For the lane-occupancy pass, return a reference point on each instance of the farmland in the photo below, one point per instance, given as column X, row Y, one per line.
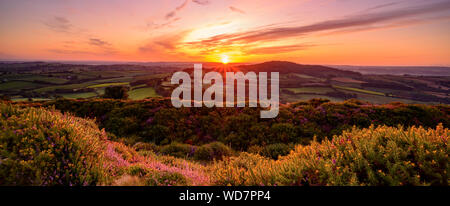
column 40, row 80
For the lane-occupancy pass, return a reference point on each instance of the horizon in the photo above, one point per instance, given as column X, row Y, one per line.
column 112, row 62
column 322, row 32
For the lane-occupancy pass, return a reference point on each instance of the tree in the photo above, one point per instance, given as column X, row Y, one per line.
column 116, row 92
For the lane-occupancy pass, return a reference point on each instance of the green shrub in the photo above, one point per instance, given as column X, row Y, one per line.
column 178, row 150
column 275, row 150
column 255, row 149
column 138, row 170
column 149, row 146
column 116, row 92
column 204, row 153
column 164, row 178
column 214, row 150
column 40, row 147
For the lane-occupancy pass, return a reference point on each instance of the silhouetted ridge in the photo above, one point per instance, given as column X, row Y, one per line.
column 290, row 67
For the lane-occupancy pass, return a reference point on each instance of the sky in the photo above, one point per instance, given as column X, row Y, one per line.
column 345, row 32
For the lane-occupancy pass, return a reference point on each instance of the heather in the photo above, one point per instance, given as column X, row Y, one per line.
column 42, row 146
column 156, row 121
column 389, row 156
column 46, row 147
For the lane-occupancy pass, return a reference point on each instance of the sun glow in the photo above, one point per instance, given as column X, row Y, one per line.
column 225, row 59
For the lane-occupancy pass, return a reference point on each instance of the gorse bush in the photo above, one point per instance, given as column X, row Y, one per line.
column 39, row 147
column 373, row 156
column 156, row 120
column 275, row 150
column 178, row 150
column 45, row 147
column 211, row 151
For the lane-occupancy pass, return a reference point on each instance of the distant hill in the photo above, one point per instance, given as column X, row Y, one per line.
column 285, row 67
column 398, row 70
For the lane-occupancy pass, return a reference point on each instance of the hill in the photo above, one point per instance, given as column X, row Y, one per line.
column 285, row 67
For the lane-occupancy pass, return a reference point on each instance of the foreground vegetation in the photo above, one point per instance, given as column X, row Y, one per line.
column 156, row 121
column 41, row 146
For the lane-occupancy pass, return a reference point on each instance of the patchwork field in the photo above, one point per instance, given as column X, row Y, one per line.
column 297, row 82
column 142, row 93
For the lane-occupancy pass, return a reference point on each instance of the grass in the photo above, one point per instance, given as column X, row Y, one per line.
column 138, row 86
column 347, row 80
column 120, row 79
column 358, row 90
column 26, row 99
column 17, row 85
column 142, row 93
column 79, row 95
column 53, row 80
column 153, row 76
column 69, row 86
column 318, row 90
column 108, row 84
column 306, row 97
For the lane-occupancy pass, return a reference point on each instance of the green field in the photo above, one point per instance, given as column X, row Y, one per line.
column 26, row 99
column 120, row 79
column 108, row 84
column 17, row 85
column 142, row 93
column 52, row 80
column 79, row 95
column 358, row 90
column 306, row 97
column 317, row 90
column 69, row 86
column 153, row 76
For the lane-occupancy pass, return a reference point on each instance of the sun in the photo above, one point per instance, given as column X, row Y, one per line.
column 225, row 59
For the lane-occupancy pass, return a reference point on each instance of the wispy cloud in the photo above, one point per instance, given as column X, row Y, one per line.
column 232, row 8
column 98, row 42
column 177, row 9
column 381, row 19
column 104, row 46
column 278, row 49
column 201, row 2
column 59, row 24
column 381, row 6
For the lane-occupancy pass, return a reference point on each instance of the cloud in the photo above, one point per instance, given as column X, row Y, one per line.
column 166, row 42
column 104, row 46
column 382, row 6
column 201, row 2
column 173, row 13
column 98, row 42
column 68, row 51
column 59, row 24
column 232, row 8
column 177, row 9
column 379, row 19
column 152, row 25
column 278, row 49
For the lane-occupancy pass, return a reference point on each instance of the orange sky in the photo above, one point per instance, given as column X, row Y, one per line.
column 352, row 32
